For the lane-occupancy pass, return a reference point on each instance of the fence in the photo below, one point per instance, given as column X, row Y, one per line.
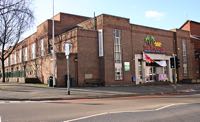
column 14, row 74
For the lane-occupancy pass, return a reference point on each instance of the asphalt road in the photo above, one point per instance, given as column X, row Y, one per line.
column 145, row 108
column 173, row 113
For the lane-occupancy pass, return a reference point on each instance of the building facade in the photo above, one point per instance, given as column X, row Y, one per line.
column 194, row 27
column 107, row 50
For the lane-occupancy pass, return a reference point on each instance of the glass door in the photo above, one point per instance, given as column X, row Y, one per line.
column 152, row 73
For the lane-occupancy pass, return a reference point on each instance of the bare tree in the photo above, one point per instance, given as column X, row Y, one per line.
column 15, row 18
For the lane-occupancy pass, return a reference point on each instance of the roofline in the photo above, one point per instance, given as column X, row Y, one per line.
column 103, row 14
column 72, row 15
column 191, row 21
column 184, row 24
column 50, row 19
column 161, row 29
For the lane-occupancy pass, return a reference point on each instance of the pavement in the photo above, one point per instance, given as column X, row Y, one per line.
column 41, row 92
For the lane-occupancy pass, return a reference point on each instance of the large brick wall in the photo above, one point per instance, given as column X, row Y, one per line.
column 193, row 28
column 132, row 41
column 181, row 36
column 88, row 63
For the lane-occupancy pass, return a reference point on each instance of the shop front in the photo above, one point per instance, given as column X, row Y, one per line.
column 152, row 64
column 158, row 70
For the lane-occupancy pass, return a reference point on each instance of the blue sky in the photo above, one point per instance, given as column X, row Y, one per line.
column 165, row 14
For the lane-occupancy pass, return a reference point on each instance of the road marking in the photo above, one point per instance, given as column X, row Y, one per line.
column 85, row 117
column 18, row 102
column 0, row 118
column 164, row 107
column 94, row 115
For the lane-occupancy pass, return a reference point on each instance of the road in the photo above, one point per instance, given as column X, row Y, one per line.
column 128, row 109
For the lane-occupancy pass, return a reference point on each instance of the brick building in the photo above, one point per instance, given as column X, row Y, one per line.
column 106, row 49
column 194, row 29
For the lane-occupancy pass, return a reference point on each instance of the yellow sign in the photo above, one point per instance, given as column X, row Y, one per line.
column 158, row 44
column 152, row 45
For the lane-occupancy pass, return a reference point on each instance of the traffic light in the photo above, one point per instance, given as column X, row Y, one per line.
column 172, row 63
column 177, row 62
column 50, row 48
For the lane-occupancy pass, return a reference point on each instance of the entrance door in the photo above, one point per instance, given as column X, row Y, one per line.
column 152, row 73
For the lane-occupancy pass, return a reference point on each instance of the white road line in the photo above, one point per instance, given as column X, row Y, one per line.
column 18, row 102
column 0, row 118
column 165, row 107
column 94, row 115
column 85, row 117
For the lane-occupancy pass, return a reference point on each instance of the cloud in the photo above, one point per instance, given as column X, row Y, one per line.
column 155, row 15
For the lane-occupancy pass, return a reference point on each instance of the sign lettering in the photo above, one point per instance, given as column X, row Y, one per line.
column 152, row 45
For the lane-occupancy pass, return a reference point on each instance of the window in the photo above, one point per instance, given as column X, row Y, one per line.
column 20, row 55
column 184, row 52
column 118, row 73
column 25, row 54
column 6, row 62
column 118, row 58
column 100, row 35
column 11, row 59
column 42, row 47
column 33, row 51
column 185, row 69
column 15, row 57
column 140, row 69
column 184, row 48
column 117, row 54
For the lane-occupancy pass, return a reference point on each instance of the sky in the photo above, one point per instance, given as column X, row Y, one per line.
column 164, row 14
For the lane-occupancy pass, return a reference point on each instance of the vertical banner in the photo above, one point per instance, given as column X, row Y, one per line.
column 100, row 39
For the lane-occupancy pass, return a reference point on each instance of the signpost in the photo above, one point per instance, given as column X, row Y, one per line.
column 67, row 52
column 127, row 66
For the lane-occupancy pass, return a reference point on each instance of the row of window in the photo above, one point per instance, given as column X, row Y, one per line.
column 22, row 54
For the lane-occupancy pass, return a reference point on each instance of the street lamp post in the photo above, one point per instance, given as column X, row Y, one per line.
column 175, row 72
column 53, row 52
column 68, row 81
column 68, row 46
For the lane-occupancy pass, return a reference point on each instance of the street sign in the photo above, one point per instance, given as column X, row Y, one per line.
column 68, row 47
column 127, row 66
